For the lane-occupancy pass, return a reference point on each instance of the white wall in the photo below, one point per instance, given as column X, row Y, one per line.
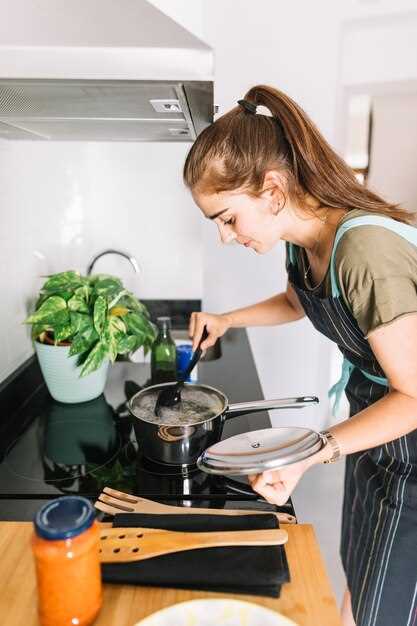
column 188, row 14
column 378, row 56
column 62, row 202
column 394, row 148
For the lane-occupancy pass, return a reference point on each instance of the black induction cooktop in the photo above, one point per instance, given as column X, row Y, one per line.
column 49, row 448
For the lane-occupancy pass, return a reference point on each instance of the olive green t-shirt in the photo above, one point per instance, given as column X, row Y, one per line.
column 377, row 274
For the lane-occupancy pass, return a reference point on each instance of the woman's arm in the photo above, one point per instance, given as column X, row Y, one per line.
column 394, row 415
column 280, row 309
column 391, row 417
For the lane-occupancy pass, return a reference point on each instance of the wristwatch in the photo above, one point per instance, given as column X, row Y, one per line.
column 328, row 439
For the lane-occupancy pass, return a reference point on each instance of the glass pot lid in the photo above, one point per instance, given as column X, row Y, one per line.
column 260, row 450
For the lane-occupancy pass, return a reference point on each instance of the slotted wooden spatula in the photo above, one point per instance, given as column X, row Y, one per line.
column 120, row 545
column 112, row 502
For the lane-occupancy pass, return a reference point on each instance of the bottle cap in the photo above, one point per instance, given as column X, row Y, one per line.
column 64, row 518
column 164, row 321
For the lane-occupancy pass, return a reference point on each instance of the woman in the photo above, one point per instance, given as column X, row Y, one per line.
column 352, row 269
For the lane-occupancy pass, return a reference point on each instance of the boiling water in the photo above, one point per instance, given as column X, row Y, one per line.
column 195, row 406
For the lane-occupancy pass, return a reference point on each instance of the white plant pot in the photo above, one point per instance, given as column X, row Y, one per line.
column 62, row 376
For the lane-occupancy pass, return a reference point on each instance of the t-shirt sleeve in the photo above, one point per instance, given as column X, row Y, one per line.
column 377, row 275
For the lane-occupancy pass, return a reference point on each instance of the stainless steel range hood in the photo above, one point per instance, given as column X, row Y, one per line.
column 101, row 70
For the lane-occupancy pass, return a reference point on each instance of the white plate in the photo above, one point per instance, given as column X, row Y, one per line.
column 216, row 613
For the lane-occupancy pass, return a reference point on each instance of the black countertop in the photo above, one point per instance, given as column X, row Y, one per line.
column 49, row 449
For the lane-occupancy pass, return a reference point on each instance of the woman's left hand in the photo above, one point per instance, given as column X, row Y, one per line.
column 276, row 486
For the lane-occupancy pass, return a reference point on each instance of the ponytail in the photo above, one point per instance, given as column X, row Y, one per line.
column 237, row 150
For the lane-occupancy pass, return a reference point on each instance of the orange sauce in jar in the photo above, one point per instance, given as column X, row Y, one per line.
column 65, row 545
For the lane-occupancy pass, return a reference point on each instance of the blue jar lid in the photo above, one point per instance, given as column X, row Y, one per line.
column 64, row 517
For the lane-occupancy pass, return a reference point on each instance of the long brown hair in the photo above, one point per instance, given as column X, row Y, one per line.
column 237, row 150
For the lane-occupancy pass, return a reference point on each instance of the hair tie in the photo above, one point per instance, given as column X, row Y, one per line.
column 249, row 107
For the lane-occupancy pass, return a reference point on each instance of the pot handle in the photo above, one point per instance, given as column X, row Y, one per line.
column 243, row 408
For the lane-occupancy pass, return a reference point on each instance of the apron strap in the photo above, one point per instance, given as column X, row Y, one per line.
column 291, row 253
column 338, row 388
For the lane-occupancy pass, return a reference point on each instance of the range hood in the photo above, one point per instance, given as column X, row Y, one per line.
column 101, row 70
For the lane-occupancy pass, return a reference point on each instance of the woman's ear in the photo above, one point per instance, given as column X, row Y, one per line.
column 274, row 188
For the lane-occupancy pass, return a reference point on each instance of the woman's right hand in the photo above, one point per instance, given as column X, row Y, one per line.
column 216, row 325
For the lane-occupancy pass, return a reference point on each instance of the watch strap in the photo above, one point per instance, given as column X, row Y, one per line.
column 330, row 440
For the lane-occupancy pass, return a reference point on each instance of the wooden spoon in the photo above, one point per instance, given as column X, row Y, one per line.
column 119, row 545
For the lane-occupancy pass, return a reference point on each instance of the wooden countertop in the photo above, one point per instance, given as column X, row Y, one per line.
column 308, row 599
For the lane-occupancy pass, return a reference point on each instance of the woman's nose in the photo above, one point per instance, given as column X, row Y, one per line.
column 227, row 234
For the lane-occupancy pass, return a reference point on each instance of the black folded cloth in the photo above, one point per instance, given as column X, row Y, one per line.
column 256, row 570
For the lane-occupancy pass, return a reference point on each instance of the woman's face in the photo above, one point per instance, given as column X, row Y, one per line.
column 254, row 222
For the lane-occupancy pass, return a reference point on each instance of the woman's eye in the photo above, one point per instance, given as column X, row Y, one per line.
column 230, row 221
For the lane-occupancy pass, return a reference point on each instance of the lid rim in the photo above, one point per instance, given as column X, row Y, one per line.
column 78, row 521
column 237, row 465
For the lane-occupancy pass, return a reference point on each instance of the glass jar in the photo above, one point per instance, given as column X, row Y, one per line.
column 163, row 354
column 65, row 545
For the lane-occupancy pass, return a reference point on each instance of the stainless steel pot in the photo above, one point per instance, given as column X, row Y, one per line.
column 182, row 445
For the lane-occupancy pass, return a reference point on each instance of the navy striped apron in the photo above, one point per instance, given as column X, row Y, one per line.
column 379, row 522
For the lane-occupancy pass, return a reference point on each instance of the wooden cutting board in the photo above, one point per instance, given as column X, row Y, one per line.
column 308, row 599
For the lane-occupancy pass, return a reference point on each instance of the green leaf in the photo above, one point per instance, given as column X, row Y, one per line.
column 130, row 301
column 62, row 332
column 126, row 344
column 38, row 329
column 95, row 358
column 117, row 298
column 80, row 322
column 77, row 303
column 83, row 341
column 117, row 325
column 48, row 311
column 63, row 281
column 44, row 295
column 109, row 339
column 136, row 324
column 84, row 292
column 108, row 286
column 148, row 343
column 59, row 319
column 100, row 311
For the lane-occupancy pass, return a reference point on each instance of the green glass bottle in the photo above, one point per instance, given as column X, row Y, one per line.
column 163, row 354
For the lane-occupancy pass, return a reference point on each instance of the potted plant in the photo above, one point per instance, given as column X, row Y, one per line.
column 79, row 326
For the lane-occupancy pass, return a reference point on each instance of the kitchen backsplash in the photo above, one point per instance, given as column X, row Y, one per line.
column 62, row 203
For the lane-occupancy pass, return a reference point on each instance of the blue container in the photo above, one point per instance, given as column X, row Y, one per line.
column 184, row 356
